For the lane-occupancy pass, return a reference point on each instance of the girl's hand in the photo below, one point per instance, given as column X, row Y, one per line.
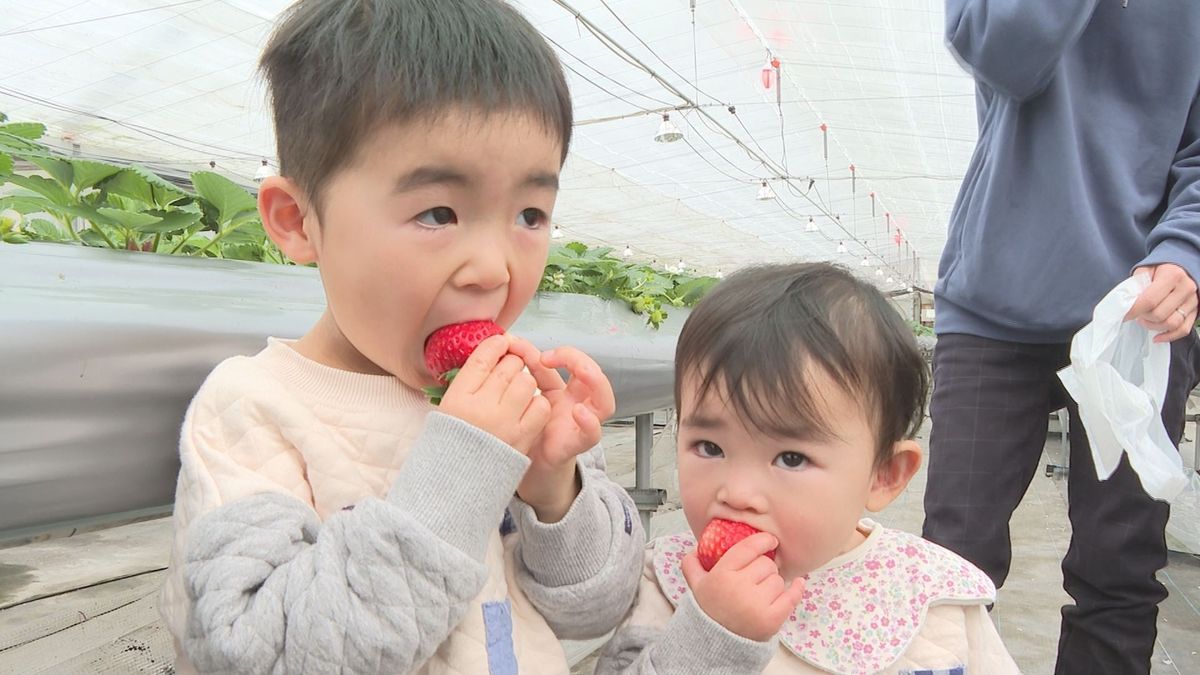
column 744, row 591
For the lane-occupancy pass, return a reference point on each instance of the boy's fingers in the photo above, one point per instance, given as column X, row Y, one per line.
column 595, row 391
column 537, row 413
column 692, row 570
column 548, row 379
column 558, row 357
column 524, row 349
column 519, row 392
column 482, row 362
column 588, row 424
column 498, row 381
column 584, row 416
column 748, row 550
column 575, row 361
column 588, row 383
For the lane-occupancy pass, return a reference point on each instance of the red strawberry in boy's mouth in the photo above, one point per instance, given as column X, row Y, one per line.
column 447, row 349
column 717, row 538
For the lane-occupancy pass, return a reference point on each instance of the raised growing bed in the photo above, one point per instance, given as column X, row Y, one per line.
column 102, row 351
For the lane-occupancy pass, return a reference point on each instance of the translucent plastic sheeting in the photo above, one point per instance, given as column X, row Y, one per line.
column 102, row 350
column 172, row 84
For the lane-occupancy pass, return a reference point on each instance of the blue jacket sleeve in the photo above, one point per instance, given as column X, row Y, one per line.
column 1176, row 238
column 1012, row 46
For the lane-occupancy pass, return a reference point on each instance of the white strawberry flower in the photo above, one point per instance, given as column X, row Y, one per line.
column 10, row 221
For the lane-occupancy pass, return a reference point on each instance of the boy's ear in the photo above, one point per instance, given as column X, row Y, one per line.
column 285, row 211
column 893, row 476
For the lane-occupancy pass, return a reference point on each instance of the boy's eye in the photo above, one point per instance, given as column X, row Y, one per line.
column 532, row 218
column 437, row 217
column 708, row 449
column 790, row 460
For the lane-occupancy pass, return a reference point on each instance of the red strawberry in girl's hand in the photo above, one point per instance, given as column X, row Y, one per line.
column 717, row 538
column 447, row 349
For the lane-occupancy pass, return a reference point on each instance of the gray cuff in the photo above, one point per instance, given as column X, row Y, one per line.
column 693, row 643
column 575, row 548
column 457, row 481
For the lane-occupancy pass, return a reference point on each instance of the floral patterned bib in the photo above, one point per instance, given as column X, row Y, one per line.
column 861, row 610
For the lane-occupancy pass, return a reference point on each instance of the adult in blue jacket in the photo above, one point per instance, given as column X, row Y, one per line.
column 1087, row 170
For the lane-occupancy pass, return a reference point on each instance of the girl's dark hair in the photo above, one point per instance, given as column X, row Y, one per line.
column 759, row 333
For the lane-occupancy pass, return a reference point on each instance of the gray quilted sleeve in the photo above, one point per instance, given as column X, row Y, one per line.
column 375, row 588
column 582, row 572
column 690, row 643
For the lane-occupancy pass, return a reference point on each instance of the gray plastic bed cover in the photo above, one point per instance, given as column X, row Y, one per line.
column 101, row 351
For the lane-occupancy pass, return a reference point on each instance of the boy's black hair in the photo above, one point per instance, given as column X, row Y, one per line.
column 758, row 334
column 338, row 70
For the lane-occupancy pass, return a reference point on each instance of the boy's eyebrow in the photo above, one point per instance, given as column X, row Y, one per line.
column 429, row 175
column 541, row 179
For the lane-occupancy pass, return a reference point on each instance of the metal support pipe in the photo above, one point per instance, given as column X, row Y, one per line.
column 647, row 498
column 644, row 430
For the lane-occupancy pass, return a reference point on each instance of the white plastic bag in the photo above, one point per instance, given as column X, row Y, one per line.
column 1118, row 377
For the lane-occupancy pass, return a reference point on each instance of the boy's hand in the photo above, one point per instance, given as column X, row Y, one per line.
column 493, row 392
column 576, row 410
column 744, row 591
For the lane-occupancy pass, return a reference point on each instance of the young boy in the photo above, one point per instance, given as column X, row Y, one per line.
column 328, row 519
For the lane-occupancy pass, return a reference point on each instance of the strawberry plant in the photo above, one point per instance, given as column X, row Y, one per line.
column 92, row 203
column 128, row 207
column 576, row 268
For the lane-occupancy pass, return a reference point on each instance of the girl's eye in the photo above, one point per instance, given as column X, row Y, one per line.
column 708, row 449
column 439, row 216
column 532, row 218
column 790, row 460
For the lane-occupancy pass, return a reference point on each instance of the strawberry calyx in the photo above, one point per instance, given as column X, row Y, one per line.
column 437, row 391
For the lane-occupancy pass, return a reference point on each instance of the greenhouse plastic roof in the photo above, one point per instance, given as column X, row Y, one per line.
column 172, row 83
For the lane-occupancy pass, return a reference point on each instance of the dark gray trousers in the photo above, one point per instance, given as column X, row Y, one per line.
column 990, row 408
